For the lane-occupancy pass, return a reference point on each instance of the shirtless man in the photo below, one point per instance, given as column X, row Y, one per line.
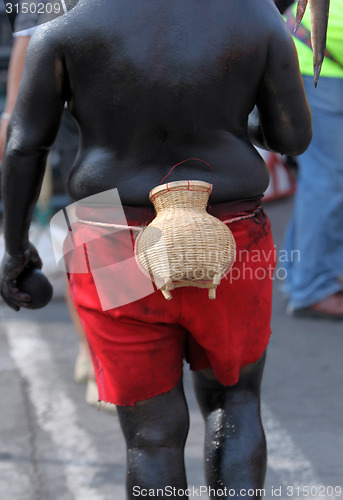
column 151, row 84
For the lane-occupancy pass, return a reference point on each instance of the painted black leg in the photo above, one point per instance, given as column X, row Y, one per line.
column 235, row 445
column 155, row 431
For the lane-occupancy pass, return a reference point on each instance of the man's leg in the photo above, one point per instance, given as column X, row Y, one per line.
column 235, row 446
column 155, row 431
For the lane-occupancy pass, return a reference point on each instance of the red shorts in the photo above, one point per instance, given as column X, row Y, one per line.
column 138, row 348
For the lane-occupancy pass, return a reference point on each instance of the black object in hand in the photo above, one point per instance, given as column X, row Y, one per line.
column 33, row 282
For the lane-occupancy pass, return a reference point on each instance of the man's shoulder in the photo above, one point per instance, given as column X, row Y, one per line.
column 47, row 40
column 51, row 21
column 278, row 31
column 55, row 31
column 264, row 18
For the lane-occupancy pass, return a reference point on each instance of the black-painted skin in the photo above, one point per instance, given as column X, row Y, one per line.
column 151, row 84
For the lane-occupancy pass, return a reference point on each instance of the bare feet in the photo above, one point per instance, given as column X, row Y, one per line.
column 329, row 308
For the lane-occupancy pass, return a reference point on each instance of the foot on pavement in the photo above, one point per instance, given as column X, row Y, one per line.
column 329, row 308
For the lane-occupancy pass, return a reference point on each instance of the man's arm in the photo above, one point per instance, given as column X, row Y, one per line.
column 32, row 131
column 282, row 120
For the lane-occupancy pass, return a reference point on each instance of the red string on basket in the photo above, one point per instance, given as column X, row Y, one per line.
column 192, row 159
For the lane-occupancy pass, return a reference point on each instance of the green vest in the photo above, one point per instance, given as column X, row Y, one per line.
column 334, row 43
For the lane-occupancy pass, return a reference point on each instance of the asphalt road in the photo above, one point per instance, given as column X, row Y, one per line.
column 53, row 446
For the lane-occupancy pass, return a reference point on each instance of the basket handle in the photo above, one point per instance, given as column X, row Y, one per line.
column 192, row 159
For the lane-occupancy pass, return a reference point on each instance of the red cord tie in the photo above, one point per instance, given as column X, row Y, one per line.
column 192, row 159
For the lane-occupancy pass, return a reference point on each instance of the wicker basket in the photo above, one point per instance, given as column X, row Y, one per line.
column 184, row 245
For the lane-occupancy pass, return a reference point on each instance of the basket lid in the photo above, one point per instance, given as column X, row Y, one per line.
column 180, row 186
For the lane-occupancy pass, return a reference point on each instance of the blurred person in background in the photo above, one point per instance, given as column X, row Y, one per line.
column 314, row 276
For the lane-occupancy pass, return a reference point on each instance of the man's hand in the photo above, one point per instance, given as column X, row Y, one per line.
column 11, row 267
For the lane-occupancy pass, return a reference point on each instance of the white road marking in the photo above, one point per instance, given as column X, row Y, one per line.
column 56, row 412
column 286, row 459
column 14, row 482
column 6, row 363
